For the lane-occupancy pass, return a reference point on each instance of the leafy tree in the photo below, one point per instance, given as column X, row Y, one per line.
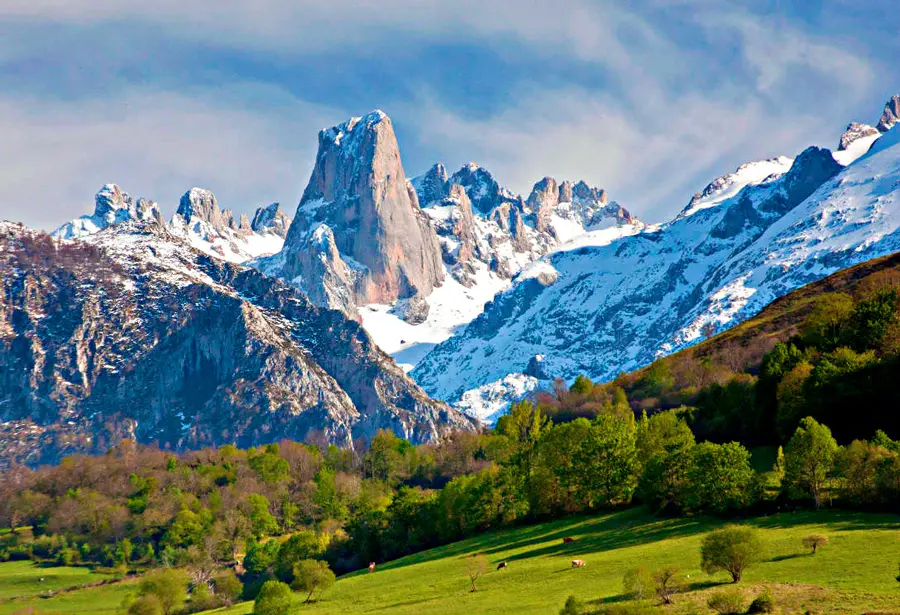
column 667, row 584
column 815, row 541
column 146, row 605
column 262, row 523
column 732, row 548
column 327, row 497
column 606, row 461
column 582, row 385
column 872, row 318
column 274, row 598
column 269, row 466
column 719, row 478
column 228, row 587
column 809, row 457
column 167, row 585
column 384, row 459
column 311, row 576
column 261, row 558
column 188, row 528
column 661, row 433
column 304, row 545
column 827, row 324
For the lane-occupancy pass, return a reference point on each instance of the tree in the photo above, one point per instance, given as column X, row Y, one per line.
column 304, row 545
column 167, row 585
column 732, row 548
column 661, row 433
column 262, row 523
column 814, row 541
column 274, row 598
column 638, row 583
column 582, row 385
column 228, row 587
column 311, row 576
column 667, row 584
column 809, row 457
column 825, row 326
column 606, row 461
column 476, row 566
column 718, row 478
column 573, row 606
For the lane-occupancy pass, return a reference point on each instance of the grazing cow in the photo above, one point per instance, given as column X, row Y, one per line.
column 568, row 540
column 371, row 566
column 577, row 563
column 501, row 566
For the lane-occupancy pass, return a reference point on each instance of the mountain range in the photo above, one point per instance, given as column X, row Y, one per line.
column 213, row 328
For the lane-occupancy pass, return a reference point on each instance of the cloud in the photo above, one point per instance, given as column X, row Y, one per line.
column 154, row 144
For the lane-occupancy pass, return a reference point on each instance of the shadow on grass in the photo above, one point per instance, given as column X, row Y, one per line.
column 781, row 558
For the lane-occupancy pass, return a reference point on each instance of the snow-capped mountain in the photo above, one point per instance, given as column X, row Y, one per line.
column 198, row 220
column 111, row 206
column 748, row 238
column 132, row 332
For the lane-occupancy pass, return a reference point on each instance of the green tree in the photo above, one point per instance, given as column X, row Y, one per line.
column 274, row 598
column 582, row 385
column 732, row 548
column 268, row 465
column 312, row 576
column 188, row 528
column 304, row 545
column 606, row 461
column 661, row 433
column 718, row 478
column 384, row 459
column 167, row 585
column 262, row 523
column 638, row 583
column 808, row 459
column 573, row 606
column 145, row 605
column 826, row 325
column 327, row 497
column 228, row 587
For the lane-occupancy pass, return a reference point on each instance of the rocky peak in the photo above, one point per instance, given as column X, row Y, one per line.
column 543, row 199
column 433, row 185
column 891, row 115
column 271, row 219
column 811, row 168
column 588, row 193
column 112, row 205
column 201, row 204
column 358, row 189
column 483, row 190
column 854, row 132
column 111, row 200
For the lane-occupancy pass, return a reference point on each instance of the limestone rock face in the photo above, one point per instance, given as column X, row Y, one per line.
column 854, row 132
column 112, row 206
column 359, row 191
column 133, row 333
column 271, row 219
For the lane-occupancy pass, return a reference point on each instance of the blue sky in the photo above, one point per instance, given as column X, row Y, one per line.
column 650, row 99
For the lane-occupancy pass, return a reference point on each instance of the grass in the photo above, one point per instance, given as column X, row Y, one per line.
column 854, row 574
column 21, row 589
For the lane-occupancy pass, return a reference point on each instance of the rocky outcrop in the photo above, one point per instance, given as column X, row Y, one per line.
column 111, row 206
column 358, row 194
column 271, row 220
column 891, row 115
column 854, row 132
column 135, row 334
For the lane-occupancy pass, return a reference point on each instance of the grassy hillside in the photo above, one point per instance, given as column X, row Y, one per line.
column 854, row 574
column 25, row 585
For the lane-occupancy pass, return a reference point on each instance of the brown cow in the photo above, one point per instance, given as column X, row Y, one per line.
column 371, row 566
column 577, row 563
column 501, row 566
column 568, row 540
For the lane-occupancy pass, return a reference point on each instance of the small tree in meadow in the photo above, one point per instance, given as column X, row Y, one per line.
column 573, row 606
column 667, row 583
column 815, row 541
column 809, row 458
column 311, row 576
column 476, row 567
column 638, row 583
column 274, row 598
column 732, row 548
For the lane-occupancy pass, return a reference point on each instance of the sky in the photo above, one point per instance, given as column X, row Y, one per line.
column 650, row 99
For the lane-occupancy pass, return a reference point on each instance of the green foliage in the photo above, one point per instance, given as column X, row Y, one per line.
column 718, row 478
column 270, row 467
column 826, row 326
column 727, row 603
column 639, row 584
column 261, row 558
column 311, row 577
column 146, row 605
column 809, row 457
column 815, row 541
column 606, row 461
column 327, row 497
column 167, row 585
column 660, row 434
column 228, row 587
column 872, row 317
column 274, row 598
column 582, row 385
column 732, row 549
column 262, row 523
column 763, row 603
column 188, row 528
column 304, row 545
column 573, row 606
column 656, row 379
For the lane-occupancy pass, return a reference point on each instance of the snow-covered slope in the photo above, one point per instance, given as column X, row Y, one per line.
column 111, row 206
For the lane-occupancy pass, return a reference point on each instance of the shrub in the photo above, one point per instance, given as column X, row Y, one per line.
column 763, row 603
column 573, row 606
column 146, row 605
column 814, row 541
column 168, row 586
column 732, row 548
column 667, row 584
column 275, row 598
column 228, row 587
column 727, row 603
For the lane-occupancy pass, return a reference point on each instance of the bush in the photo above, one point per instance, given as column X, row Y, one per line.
column 763, row 603
column 228, row 587
column 727, row 603
column 146, row 605
column 169, row 586
column 814, row 541
column 573, row 606
column 732, row 548
column 275, row 598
